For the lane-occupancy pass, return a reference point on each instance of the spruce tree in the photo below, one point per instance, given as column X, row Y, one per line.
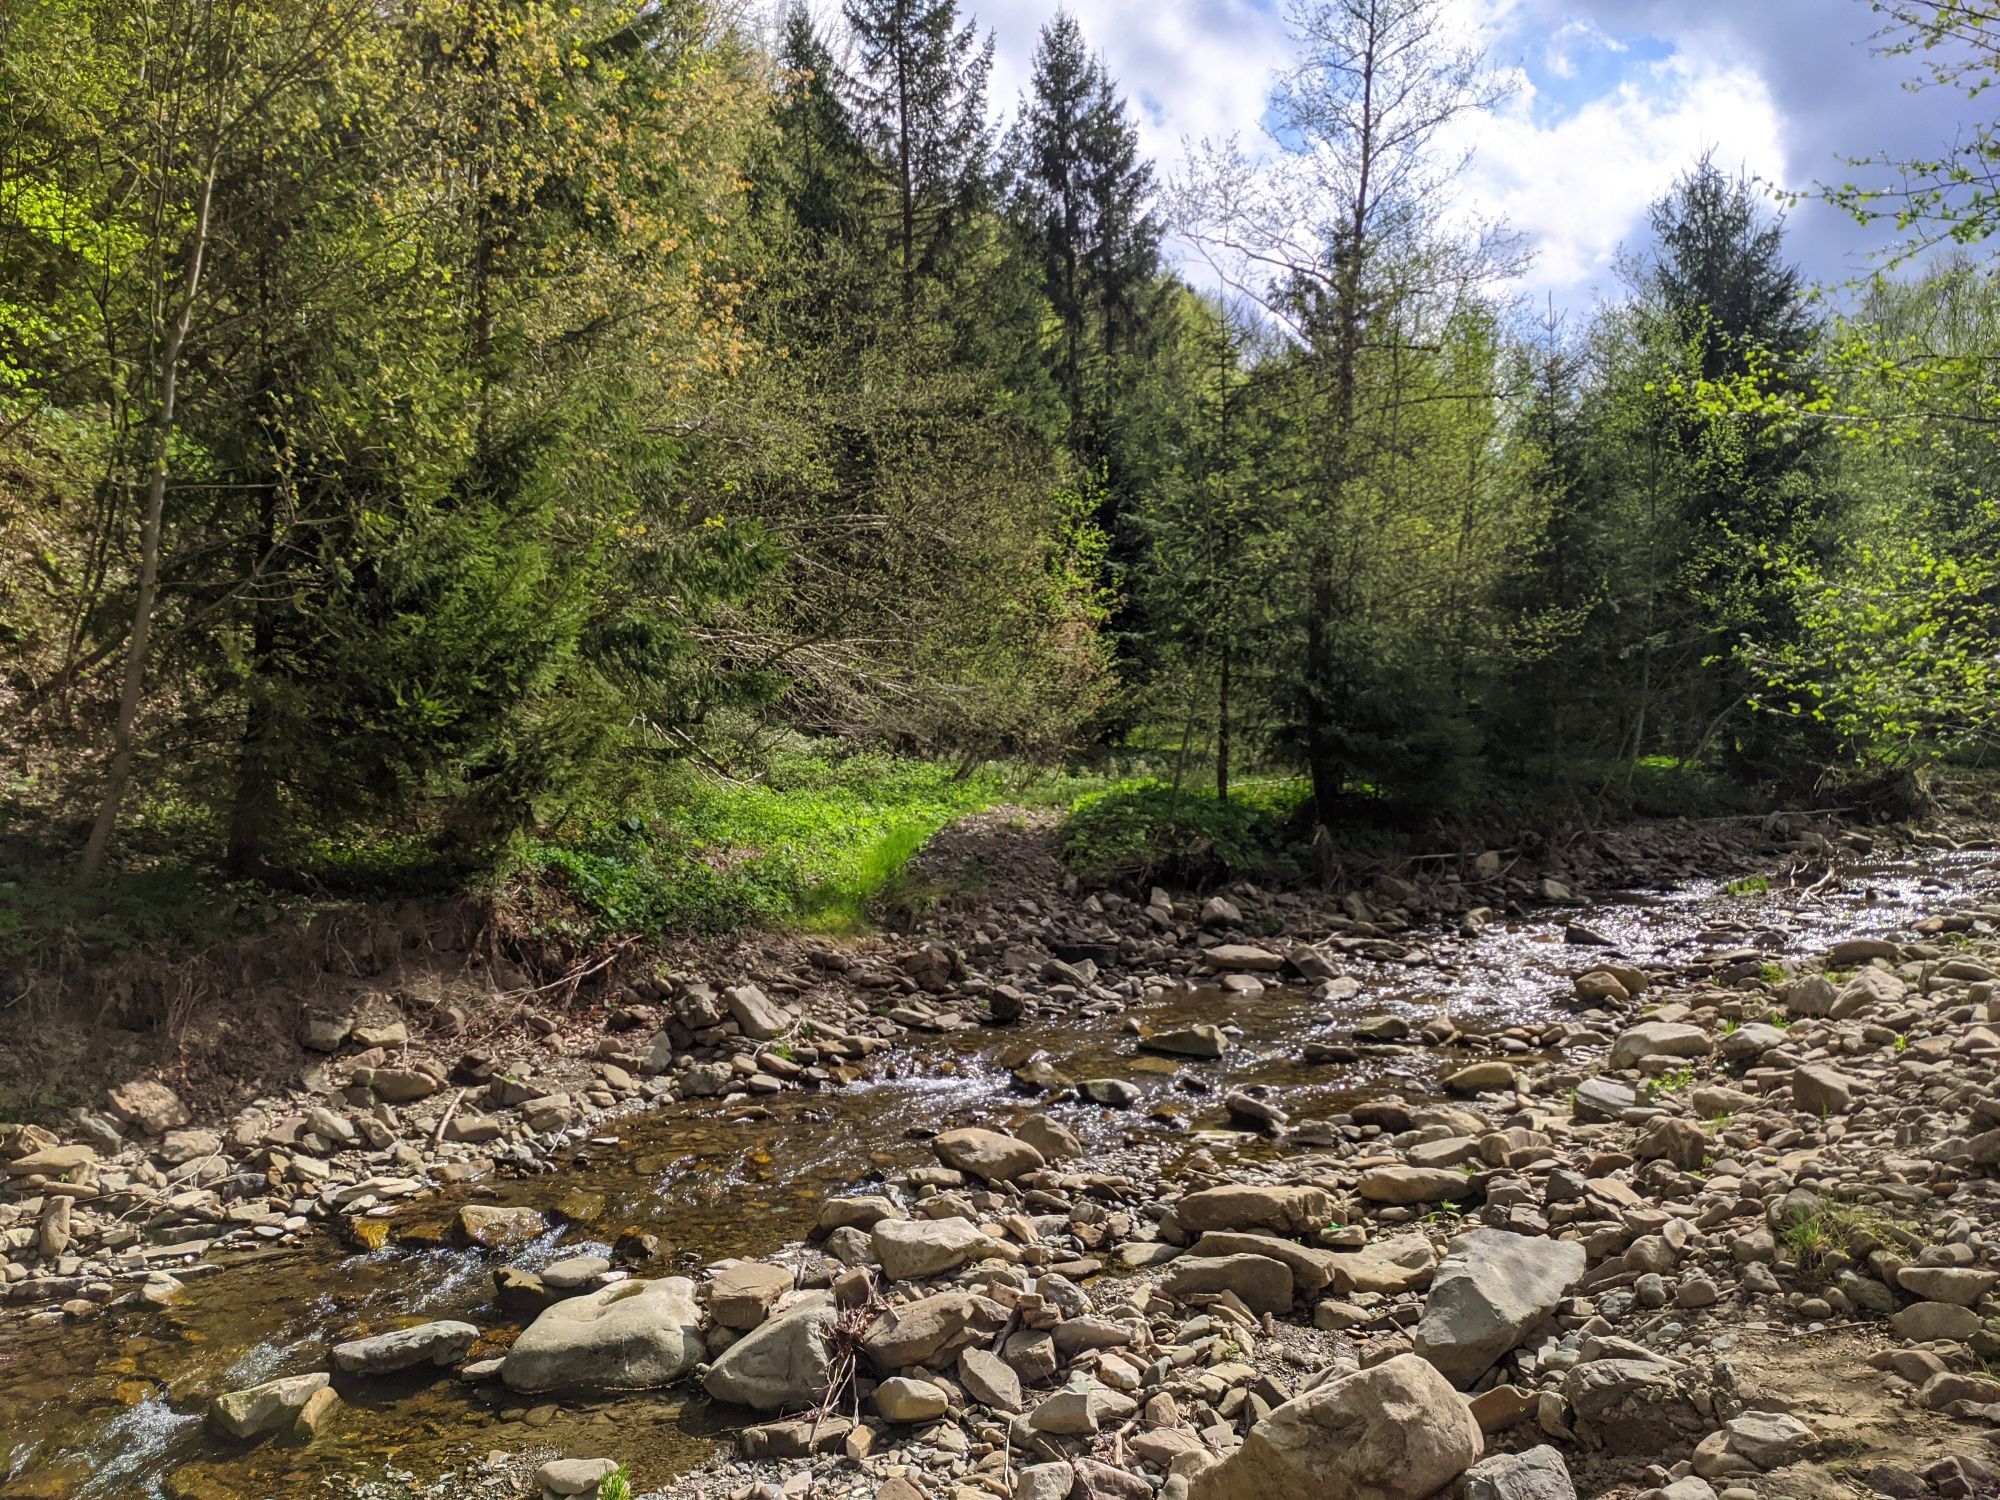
column 920, row 94
column 820, row 169
column 1083, row 193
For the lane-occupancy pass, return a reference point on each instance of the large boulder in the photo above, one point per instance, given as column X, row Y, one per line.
column 1278, row 1209
column 782, row 1365
column 630, row 1336
column 1394, row 1432
column 441, row 1343
column 1490, row 1291
column 988, row 1154
column 911, row 1248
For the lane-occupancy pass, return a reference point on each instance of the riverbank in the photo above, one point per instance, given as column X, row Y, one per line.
column 1391, row 990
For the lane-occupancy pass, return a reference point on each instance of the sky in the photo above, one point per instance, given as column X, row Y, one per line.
column 1613, row 99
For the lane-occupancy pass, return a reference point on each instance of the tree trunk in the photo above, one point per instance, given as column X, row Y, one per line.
column 1222, row 731
column 1320, row 763
column 253, row 813
column 166, row 377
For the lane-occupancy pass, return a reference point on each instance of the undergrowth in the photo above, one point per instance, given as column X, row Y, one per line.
column 807, row 845
column 1150, row 830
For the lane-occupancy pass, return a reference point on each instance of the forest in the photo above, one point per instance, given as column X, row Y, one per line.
column 483, row 438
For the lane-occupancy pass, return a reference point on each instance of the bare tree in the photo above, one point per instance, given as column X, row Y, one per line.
column 1349, row 238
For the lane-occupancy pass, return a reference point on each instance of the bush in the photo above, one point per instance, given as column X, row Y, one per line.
column 1148, row 830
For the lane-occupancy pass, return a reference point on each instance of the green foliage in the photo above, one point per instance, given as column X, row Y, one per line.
column 1677, row 1081
column 1750, row 885
column 1148, row 829
column 810, row 844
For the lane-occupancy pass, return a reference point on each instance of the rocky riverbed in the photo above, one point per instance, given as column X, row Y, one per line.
column 1510, row 1176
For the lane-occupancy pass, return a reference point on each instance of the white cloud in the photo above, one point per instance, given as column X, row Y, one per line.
column 1780, row 87
column 1189, row 70
column 1578, row 186
column 1573, row 36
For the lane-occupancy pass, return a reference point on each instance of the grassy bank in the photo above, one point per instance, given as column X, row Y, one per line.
column 807, row 845
column 806, row 838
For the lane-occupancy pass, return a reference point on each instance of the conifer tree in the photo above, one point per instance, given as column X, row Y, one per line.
column 920, row 93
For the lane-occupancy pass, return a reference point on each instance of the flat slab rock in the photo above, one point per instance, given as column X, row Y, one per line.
column 441, row 1343
column 635, row 1335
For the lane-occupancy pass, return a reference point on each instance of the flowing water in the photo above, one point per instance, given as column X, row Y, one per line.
column 111, row 1406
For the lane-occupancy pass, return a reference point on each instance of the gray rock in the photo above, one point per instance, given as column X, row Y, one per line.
column 989, row 1380
column 758, row 1016
column 1397, row 1431
column 912, row 1248
column 1921, row 1322
column 1657, row 1039
column 1490, row 1291
column 1081, row 1410
column 782, row 1365
column 1263, row 1284
column 1112, row 1093
column 269, row 1407
column 1249, row 1206
column 931, row 1328
column 1203, row 1041
column 1055, row 1140
column 441, row 1343
column 1629, row 1400
column 1045, row 1482
column 1963, row 1285
column 988, row 1154
column 153, row 1107
column 1821, row 1091
column 635, row 1335
column 903, row 1399
column 1403, row 1186
column 1754, row 1443
column 575, row 1476
column 1243, row 958
column 1538, row 1474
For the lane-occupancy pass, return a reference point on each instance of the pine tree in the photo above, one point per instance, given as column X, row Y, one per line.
column 920, row 94
column 1083, row 192
column 820, row 167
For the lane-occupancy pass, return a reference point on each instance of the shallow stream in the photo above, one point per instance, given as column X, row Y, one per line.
column 111, row 1405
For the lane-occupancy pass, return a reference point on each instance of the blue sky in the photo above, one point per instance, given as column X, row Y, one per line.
column 1613, row 99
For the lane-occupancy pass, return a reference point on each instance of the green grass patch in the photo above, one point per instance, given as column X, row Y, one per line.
column 1147, row 829
column 809, row 844
column 1750, row 885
